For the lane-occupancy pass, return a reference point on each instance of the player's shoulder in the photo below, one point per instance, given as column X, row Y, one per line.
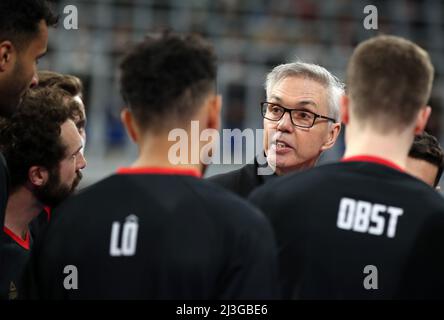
column 217, row 196
column 299, row 181
column 189, row 192
column 231, row 206
column 429, row 197
column 107, row 189
column 102, row 187
column 248, row 170
column 313, row 175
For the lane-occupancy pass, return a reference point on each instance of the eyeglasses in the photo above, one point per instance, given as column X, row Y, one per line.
column 299, row 118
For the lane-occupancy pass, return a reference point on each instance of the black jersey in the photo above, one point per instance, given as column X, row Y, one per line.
column 15, row 253
column 4, row 184
column 154, row 234
column 359, row 229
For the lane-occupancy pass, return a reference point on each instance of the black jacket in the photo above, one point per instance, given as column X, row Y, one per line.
column 244, row 180
column 4, row 184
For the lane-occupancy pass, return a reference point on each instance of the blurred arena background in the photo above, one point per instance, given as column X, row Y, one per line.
column 250, row 37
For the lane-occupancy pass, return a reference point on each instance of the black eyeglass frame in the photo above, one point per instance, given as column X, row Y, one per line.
column 265, row 104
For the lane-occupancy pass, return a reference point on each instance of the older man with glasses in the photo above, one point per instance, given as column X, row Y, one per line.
column 300, row 122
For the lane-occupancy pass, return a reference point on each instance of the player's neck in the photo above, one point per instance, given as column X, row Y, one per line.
column 158, row 155
column 21, row 209
column 393, row 146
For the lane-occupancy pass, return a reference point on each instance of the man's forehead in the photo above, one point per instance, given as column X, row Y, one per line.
column 293, row 90
column 297, row 86
column 70, row 135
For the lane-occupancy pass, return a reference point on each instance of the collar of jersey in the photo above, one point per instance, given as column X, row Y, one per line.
column 48, row 212
column 373, row 159
column 161, row 171
column 23, row 243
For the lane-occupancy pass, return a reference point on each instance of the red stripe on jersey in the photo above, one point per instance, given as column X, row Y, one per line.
column 373, row 159
column 23, row 243
column 48, row 212
column 167, row 171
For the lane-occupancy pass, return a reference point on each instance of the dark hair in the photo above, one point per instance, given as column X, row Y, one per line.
column 32, row 136
column 19, row 19
column 165, row 78
column 426, row 147
column 388, row 80
column 69, row 84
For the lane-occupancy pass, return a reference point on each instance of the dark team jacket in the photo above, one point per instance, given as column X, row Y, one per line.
column 244, row 180
column 16, row 254
column 154, row 234
column 359, row 229
column 4, row 186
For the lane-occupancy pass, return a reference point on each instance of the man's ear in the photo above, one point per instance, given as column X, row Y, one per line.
column 422, row 118
column 38, row 176
column 6, row 53
column 333, row 134
column 214, row 106
column 131, row 127
column 345, row 113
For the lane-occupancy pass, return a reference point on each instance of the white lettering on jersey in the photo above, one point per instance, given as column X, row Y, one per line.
column 128, row 239
column 365, row 217
column 394, row 214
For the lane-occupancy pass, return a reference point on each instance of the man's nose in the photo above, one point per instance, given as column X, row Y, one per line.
column 285, row 123
column 81, row 161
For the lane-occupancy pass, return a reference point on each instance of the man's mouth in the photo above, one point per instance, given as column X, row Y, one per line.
column 281, row 144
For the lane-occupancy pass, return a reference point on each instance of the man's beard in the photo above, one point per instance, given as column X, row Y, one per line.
column 54, row 192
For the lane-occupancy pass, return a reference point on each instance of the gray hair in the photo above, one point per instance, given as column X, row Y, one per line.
column 311, row 71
